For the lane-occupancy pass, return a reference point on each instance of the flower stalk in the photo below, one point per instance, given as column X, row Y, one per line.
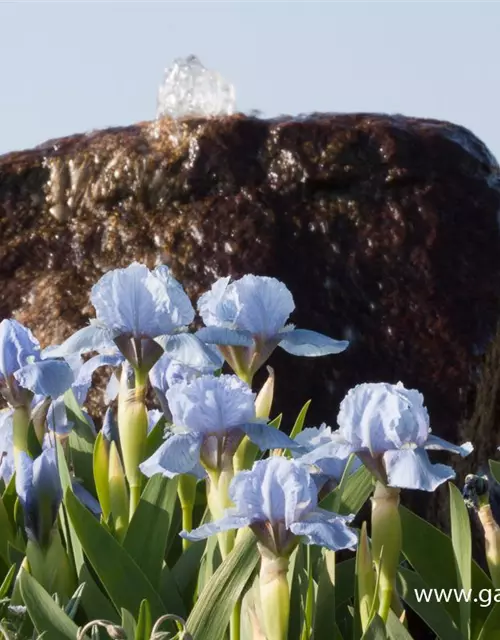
column 492, row 542
column 133, row 429
column 247, row 451
column 274, row 594
column 386, row 542
column 118, row 496
column 218, row 501
column 186, row 490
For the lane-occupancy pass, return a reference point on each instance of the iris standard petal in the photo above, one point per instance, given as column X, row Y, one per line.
column 46, row 377
column 178, row 303
column 211, row 404
column 325, row 530
column 263, row 304
column 94, row 337
column 17, row 346
column 275, row 490
column 302, row 342
column 412, row 469
column 210, row 528
column 434, row 442
column 211, row 305
column 136, row 301
column 379, row 417
column 225, row 337
column 180, row 453
column 266, row 437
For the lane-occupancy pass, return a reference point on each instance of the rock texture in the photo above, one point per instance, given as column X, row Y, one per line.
column 385, row 229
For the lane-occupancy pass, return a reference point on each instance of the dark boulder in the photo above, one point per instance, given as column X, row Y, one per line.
column 385, row 228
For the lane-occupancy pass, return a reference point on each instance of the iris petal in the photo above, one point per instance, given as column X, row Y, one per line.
column 83, row 378
column 136, row 301
column 412, row 469
column 302, row 342
column 433, row 442
column 325, row 530
column 210, row 528
column 46, row 377
column 188, row 349
column 180, row 453
column 211, row 404
column 17, row 346
column 225, row 337
column 266, row 437
column 94, row 337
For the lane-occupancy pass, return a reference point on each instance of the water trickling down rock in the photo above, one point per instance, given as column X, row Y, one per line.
column 191, row 90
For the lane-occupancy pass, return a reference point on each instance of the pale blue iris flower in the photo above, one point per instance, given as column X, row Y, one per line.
column 23, row 370
column 143, row 312
column 40, row 492
column 167, row 372
column 278, row 499
column 327, row 463
column 210, row 415
column 388, row 423
column 6, row 445
column 247, row 320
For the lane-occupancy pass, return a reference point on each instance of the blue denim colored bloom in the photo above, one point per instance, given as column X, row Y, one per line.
column 135, row 307
column 278, row 499
column 252, row 313
column 325, row 457
column 211, row 415
column 22, row 368
column 6, row 445
column 387, row 422
column 40, row 492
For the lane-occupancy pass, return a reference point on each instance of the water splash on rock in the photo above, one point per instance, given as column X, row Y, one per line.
column 190, row 89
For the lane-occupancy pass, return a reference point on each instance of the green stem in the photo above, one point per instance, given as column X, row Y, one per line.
column 274, row 595
column 133, row 428
column 186, row 490
column 218, row 501
column 235, row 622
column 492, row 542
column 386, row 542
column 187, row 525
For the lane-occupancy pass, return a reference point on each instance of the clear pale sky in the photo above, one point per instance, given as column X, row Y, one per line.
column 67, row 67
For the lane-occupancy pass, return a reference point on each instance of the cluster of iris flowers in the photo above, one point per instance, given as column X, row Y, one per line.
column 217, row 429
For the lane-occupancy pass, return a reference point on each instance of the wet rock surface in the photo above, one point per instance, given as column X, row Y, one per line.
column 384, row 228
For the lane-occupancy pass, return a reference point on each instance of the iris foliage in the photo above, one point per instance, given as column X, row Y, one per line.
column 191, row 508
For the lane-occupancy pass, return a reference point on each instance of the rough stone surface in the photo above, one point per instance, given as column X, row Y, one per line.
column 385, row 229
